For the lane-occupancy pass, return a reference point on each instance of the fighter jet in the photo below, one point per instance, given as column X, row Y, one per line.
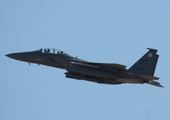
column 105, row 73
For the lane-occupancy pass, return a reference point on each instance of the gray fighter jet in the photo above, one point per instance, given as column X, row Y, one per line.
column 107, row 73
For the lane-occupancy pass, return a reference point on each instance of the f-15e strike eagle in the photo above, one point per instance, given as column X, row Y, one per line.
column 107, row 73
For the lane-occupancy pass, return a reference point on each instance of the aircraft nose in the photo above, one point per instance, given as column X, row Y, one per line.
column 17, row 56
column 22, row 56
column 12, row 55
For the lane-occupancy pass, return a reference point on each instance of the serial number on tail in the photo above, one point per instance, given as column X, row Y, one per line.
column 138, row 69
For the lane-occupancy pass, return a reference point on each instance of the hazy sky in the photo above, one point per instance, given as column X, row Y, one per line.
column 115, row 31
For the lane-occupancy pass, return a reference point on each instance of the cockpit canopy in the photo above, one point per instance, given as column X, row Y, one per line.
column 51, row 51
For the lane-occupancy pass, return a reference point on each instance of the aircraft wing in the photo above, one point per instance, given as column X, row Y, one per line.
column 109, row 65
column 147, row 77
column 103, row 66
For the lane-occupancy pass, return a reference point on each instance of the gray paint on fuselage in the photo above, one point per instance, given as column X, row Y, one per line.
column 96, row 72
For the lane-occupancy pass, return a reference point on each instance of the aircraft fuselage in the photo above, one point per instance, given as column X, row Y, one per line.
column 80, row 69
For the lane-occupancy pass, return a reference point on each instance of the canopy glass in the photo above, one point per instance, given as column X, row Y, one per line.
column 51, row 51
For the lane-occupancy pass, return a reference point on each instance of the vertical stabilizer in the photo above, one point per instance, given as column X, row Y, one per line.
column 146, row 64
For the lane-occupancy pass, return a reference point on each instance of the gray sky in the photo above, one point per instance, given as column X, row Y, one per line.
column 99, row 31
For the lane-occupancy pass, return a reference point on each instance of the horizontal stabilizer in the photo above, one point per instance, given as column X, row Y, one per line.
column 155, row 83
column 147, row 77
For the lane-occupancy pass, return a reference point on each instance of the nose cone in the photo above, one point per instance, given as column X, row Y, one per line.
column 24, row 56
column 10, row 55
column 16, row 56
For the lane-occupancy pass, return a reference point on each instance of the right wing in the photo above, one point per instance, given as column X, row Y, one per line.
column 148, row 77
column 104, row 66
